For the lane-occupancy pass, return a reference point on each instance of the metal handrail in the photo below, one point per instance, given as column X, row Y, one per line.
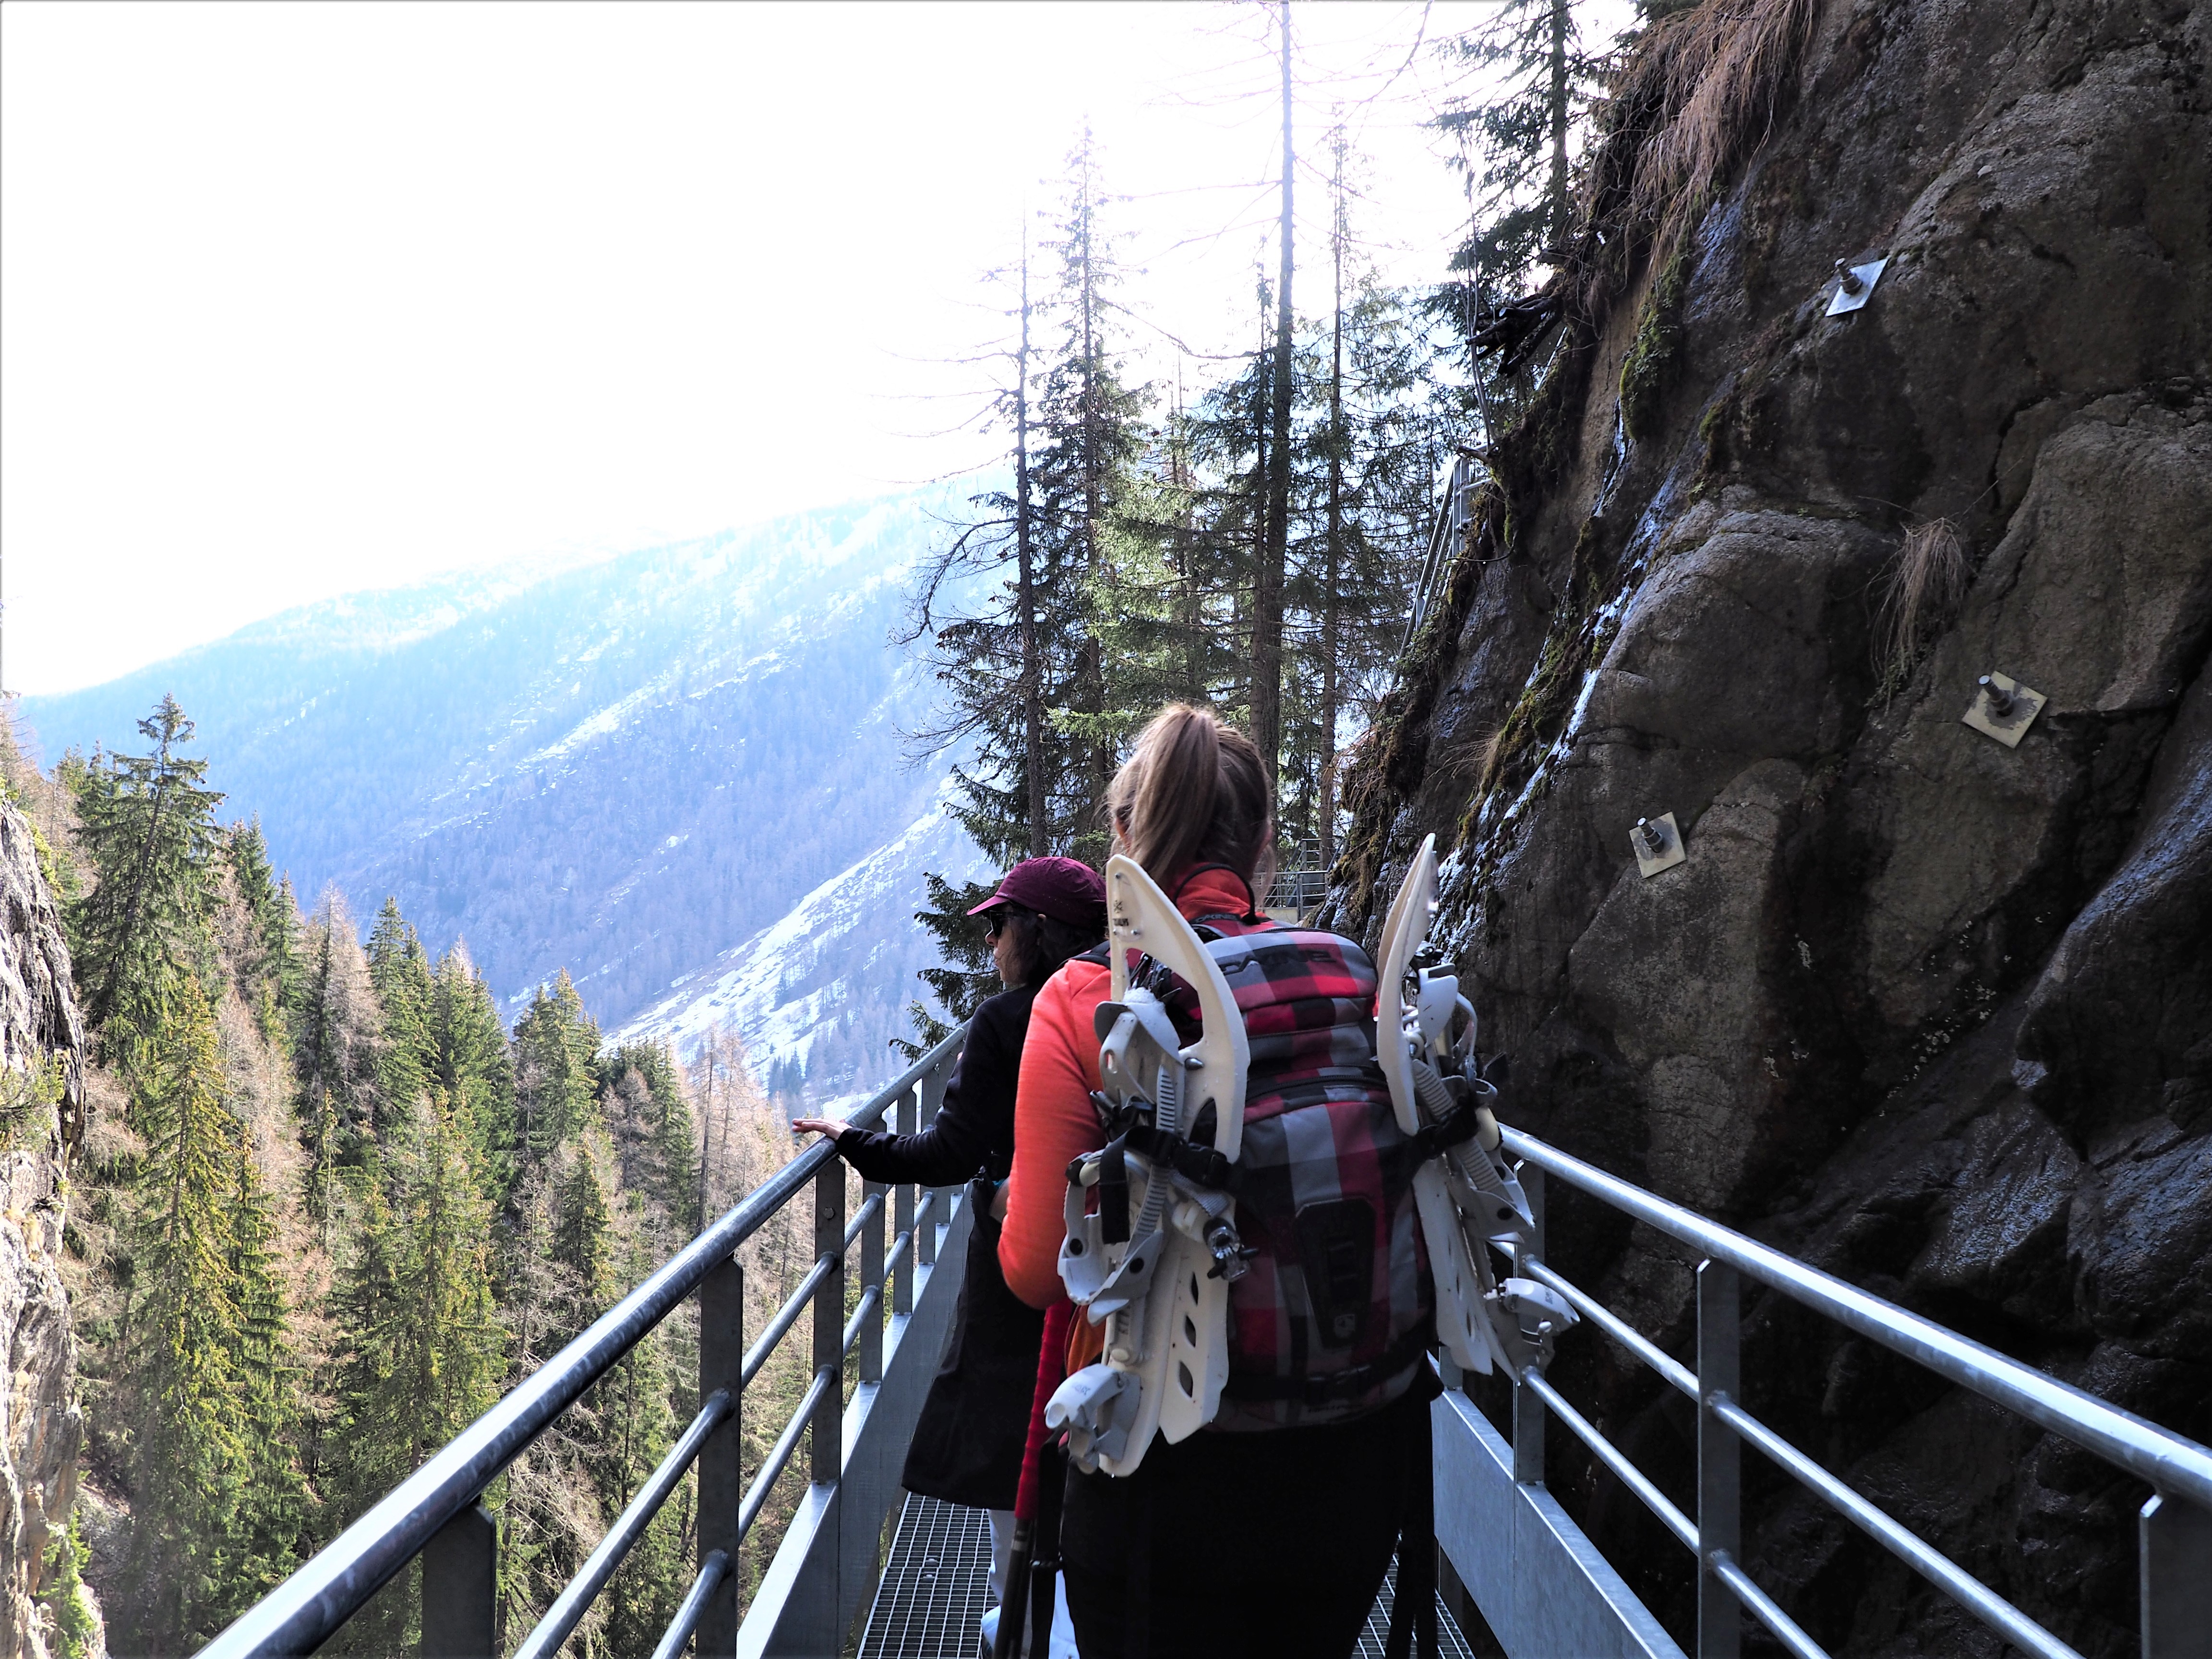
column 2169, row 1462
column 687, row 1615
column 309, row 1606
column 569, row 1607
column 2166, row 1460
column 1451, row 515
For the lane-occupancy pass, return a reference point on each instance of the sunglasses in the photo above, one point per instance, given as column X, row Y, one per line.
column 996, row 923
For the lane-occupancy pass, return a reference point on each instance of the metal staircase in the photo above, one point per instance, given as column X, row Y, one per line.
column 1542, row 1587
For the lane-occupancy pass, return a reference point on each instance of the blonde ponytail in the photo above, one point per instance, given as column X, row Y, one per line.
column 1194, row 791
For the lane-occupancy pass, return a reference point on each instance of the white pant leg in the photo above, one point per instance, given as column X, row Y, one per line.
column 1002, row 1550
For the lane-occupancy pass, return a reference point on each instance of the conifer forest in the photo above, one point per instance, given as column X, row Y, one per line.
column 328, row 1206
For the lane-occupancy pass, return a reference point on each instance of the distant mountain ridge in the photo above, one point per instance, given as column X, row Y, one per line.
column 625, row 767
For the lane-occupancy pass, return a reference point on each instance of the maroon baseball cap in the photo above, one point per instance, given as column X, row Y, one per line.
column 1066, row 889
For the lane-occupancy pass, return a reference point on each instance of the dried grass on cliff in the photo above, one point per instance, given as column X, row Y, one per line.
column 1697, row 95
column 1927, row 584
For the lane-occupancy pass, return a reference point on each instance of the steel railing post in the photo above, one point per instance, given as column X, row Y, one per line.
column 907, row 1113
column 721, row 1471
column 871, row 1278
column 931, row 1093
column 1720, row 1520
column 2176, row 1565
column 828, row 1436
column 461, row 1575
column 1528, row 1407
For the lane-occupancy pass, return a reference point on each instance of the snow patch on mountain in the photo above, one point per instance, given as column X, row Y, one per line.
column 841, row 957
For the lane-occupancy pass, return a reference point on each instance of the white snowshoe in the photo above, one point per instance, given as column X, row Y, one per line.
column 1467, row 1195
column 1152, row 1264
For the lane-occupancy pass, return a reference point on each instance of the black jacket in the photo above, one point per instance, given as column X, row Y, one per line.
column 968, row 1442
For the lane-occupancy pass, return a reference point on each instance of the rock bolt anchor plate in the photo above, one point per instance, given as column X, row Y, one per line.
column 1657, row 844
column 2003, row 708
column 1855, row 285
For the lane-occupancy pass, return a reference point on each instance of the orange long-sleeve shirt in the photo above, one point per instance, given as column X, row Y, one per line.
column 1054, row 1122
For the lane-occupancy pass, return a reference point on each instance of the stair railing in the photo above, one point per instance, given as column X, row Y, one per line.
column 2174, row 1526
column 1454, row 508
column 435, row 1512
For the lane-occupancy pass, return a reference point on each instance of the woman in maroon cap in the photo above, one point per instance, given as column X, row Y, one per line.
column 968, row 1445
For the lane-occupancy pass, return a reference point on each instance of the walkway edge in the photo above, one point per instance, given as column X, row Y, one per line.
column 1539, row 1580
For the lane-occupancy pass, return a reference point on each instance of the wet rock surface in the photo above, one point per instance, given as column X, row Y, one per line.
column 1933, row 1012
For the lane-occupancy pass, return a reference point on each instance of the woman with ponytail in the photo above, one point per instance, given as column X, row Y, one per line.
column 1272, row 1541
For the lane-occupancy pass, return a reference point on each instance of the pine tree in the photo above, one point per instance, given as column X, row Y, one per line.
column 1002, row 648
column 334, row 1047
column 399, row 969
column 579, row 1225
column 554, row 1041
column 965, row 977
column 1374, row 430
column 1514, row 141
column 272, row 1531
column 71, row 1618
column 272, row 977
column 191, row 1460
column 645, row 1076
column 424, row 1353
column 470, row 1066
column 147, row 823
column 1088, row 435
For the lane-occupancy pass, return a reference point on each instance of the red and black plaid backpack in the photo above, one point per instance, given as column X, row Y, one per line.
column 1335, row 1308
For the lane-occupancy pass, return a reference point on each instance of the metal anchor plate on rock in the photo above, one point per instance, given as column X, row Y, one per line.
column 2003, row 708
column 1657, row 844
column 1855, row 285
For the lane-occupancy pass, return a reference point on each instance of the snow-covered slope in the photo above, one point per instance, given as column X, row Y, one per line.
column 815, row 989
column 621, row 768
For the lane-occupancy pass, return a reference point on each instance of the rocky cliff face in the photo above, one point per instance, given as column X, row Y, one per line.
column 40, row 1425
column 1933, row 1011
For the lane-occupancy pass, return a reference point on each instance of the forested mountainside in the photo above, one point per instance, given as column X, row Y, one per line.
column 622, row 769
column 1933, row 1009
column 314, row 1207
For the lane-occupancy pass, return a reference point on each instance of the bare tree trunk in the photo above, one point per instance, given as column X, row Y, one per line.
column 1090, row 665
column 1268, row 585
column 1032, row 669
column 1330, row 607
column 1556, row 190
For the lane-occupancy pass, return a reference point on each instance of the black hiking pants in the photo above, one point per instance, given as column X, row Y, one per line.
column 1239, row 1546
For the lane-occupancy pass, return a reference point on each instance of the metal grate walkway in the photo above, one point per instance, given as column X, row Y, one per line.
column 1451, row 1641
column 936, row 1586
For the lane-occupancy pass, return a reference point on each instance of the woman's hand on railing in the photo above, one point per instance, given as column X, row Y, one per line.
column 832, row 1126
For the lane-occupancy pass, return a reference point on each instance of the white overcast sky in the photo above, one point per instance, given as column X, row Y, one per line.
column 298, row 299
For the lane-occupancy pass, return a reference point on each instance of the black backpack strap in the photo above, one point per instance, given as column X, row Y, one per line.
column 1201, row 1164
column 1328, row 1387
column 1456, row 1127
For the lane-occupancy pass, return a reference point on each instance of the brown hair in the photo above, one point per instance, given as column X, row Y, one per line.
column 1042, row 943
column 1194, row 791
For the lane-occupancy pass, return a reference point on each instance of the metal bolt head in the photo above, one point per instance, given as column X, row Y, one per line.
column 1847, row 278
